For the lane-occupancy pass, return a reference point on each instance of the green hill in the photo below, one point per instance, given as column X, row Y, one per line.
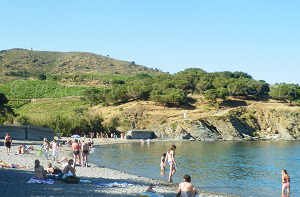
column 26, row 63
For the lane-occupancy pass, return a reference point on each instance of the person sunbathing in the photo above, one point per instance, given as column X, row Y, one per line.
column 40, row 173
column 53, row 169
column 5, row 165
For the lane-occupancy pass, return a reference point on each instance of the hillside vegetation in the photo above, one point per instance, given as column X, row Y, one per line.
column 26, row 63
column 80, row 100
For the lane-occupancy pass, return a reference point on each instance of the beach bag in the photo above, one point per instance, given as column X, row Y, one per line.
column 178, row 194
column 40, row 152
column 71, row 180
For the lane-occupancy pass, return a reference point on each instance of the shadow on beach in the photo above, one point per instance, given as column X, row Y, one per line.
column 15, row 183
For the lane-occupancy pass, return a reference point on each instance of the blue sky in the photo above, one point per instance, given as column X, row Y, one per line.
column 260, row 37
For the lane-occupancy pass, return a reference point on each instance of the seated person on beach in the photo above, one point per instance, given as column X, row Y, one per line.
column 69, row 175
column 53, row 169
column 186, row 189
column 5, row 165
column 150, row 189
column 23, row 149
column 40, row 173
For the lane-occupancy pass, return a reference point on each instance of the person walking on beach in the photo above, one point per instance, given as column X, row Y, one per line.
column 7, row 143
column 45, row 148
column 171, row 161
column 186, row 189
column 55, row 146
column 85, row 152
column 40, row 173
column 285, row 182
column 76, row 151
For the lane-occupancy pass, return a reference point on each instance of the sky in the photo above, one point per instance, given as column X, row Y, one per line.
column 259, row 37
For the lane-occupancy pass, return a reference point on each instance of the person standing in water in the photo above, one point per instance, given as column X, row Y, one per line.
column 162, row 162
column 7, row 143
column 171, row 161
column 285, row 181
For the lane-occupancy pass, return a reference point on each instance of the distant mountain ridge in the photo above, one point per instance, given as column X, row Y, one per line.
column 23, row 62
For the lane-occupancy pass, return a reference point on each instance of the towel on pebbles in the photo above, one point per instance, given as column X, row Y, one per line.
column 115, row 184
column 35, row 180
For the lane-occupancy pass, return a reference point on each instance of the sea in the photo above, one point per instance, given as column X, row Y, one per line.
column 241, row 168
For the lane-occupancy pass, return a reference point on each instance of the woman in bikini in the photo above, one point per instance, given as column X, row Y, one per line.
column 5, row 165
column 171, row 161
column 285, row 181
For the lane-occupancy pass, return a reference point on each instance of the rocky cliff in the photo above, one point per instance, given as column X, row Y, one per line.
column 241, row 123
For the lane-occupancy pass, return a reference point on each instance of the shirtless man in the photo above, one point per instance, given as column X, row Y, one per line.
column 85, row 152
column 76, row 151
column 7, row 143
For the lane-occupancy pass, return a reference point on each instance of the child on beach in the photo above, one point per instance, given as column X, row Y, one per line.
column 150, row 189
column 285, row 181
column 162, row 162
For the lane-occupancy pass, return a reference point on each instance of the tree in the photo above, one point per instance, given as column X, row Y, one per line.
column 285, row 92
column 211, row 94
column 214, row 94
column 134, row 115
column 95, row 96
column 237, row 88
column 42, row 77
column 5, row 110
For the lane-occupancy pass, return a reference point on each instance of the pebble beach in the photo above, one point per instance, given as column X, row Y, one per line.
column 14, row 181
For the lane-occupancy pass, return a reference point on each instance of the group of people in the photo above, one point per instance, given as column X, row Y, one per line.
column 54, row 146
column 81, row 151
column 186, row 189
column 84, row 148
column 68, row 173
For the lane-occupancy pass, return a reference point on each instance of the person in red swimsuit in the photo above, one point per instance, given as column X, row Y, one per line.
column 285, row 181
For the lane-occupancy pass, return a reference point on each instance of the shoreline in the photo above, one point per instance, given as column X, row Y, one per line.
column 95, row 173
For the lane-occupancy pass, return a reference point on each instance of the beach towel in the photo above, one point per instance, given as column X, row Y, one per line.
column 85, row 181
column 115, row 184
column 149, row 194
column 35, row 180
column 40, row 152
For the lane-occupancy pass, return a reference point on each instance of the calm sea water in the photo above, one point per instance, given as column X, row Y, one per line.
column 251, row 168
